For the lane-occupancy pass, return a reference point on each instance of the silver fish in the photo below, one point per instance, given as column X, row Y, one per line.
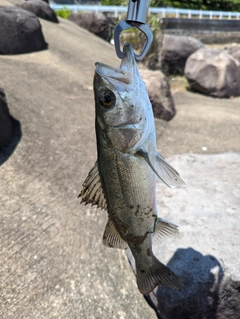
column 123, row 180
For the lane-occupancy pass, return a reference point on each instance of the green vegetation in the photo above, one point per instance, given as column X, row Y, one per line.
column 114, row 2
column 63, row 13
column 156, row 3
column 220, row 5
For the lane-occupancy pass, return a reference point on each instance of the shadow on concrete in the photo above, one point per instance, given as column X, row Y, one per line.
column 201, row 277
column 7, row 150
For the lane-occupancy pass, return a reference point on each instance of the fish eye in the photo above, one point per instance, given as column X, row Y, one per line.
column 107, row 99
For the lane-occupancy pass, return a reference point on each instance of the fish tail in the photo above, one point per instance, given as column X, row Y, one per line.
column 157, row 274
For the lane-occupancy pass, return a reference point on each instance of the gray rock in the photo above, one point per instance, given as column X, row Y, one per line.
column 20, row 31
column 159, row 94
column 175, row 52
column 205, row 253
column 214, row 73
column 235, row 52
column 5, row 120
column 96, row 23
column 40, row 8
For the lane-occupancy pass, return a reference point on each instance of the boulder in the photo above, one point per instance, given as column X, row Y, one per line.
column 5, row 120
column 205, row 252
column 20, row 31
column 96, row 23
column 40, row 8
column 159, row 94
column 213, row 72
column 175, row 52
column 235, row 52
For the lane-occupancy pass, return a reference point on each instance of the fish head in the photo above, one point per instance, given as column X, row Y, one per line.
column 123, row 109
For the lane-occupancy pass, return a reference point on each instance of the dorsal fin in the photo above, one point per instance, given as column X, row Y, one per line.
column 92, row 192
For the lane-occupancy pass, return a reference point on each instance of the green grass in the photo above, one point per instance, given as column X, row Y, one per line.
column 63, row 13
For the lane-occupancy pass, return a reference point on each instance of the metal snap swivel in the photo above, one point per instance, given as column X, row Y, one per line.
column 124, row 25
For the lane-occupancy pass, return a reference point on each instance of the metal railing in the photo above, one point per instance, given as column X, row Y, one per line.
column 173, row 12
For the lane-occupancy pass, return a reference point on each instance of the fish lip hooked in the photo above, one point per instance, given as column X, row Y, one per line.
column 108, row 72
column 125, row 72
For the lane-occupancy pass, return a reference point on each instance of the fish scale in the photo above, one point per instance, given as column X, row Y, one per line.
column 128, row 190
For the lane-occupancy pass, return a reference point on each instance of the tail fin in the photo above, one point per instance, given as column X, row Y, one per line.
column 158, row 274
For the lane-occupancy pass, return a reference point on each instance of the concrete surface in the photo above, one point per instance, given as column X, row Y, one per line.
column 202, row 125
column 205, row 252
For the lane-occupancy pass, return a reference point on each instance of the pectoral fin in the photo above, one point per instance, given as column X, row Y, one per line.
column 163, row 228
column 92, row 192
column 111, row 237
column 164, row 171
column 145, row 156
column 168, row 173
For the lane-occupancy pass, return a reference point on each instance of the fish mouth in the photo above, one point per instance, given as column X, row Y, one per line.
column 125, row 73
column 128, row 124
column 111, row 73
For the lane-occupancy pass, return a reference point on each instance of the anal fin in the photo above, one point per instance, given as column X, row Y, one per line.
column 111, row 237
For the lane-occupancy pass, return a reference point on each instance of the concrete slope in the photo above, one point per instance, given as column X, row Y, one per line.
column 202, row 125
column 52, row 261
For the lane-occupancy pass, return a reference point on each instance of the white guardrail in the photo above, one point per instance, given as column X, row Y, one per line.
column 177, row 13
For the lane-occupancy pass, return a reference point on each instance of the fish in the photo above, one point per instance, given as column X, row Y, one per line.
column 123, row 179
